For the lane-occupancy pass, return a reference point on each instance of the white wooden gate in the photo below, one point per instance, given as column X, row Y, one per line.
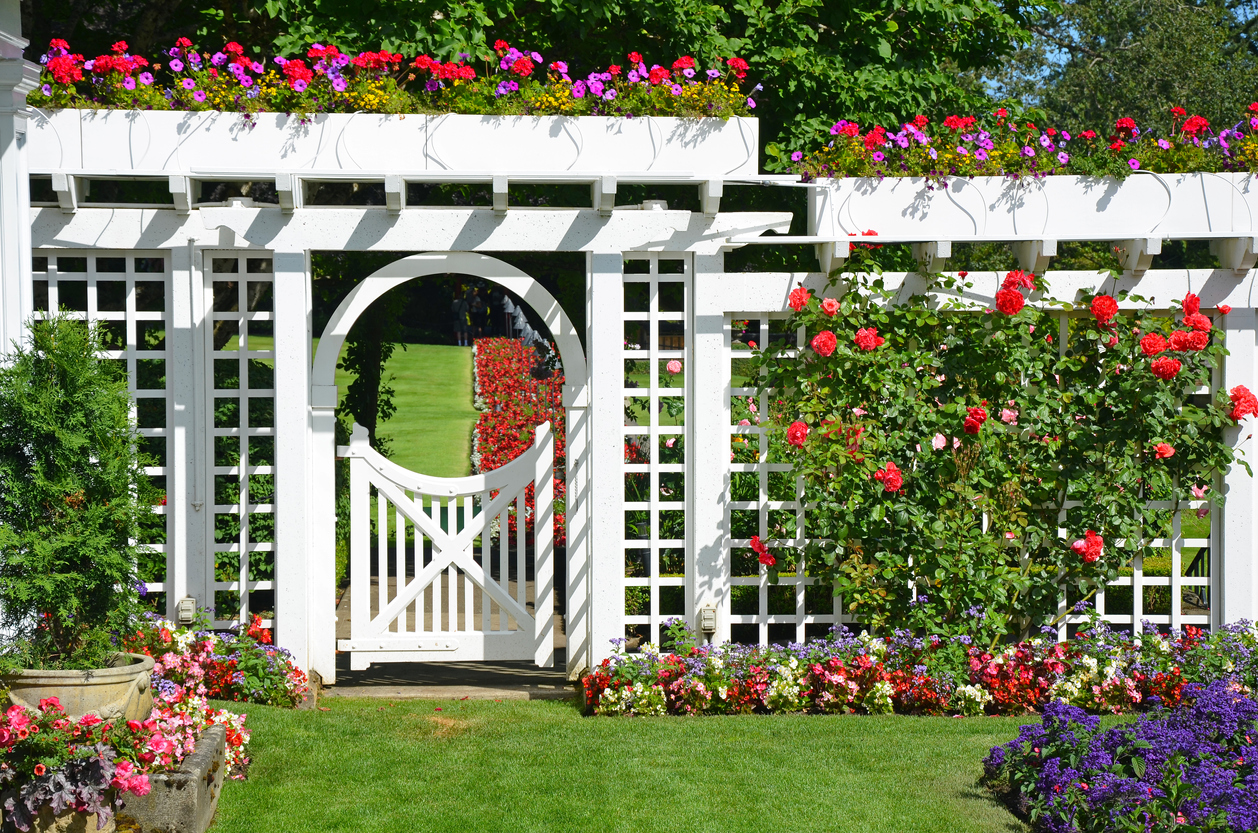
column 452, row 558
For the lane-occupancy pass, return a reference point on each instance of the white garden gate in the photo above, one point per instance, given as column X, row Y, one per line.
column 438, row 595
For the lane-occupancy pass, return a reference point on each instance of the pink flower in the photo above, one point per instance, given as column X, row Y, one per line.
column 1199, row 491
column 669, row 443
column 744, row 422
column 859, row 412
column 1008, row 416
column 829, row 306
column 1163, row 451
column 673, row 367
column 939, row 442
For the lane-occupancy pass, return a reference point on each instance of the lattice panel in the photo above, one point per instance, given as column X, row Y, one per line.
column 241, row 346
column 127, row 296
column 655, row 359
column 765, row 500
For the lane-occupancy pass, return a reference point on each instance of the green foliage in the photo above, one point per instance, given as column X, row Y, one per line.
column 975, row 523
column 73, row 497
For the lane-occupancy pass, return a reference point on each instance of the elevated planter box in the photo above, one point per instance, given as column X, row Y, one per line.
column 1144, row 205
column 182, row 801
column 127, row 142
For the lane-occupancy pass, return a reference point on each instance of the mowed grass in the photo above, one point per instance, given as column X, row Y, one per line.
column 431, row 432
column 424, row 765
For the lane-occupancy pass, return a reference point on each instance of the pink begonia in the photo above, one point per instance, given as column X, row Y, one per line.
column 1009, row 416
column 939, row 442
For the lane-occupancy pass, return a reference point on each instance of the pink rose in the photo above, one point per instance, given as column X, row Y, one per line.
column 673, row 367
column 829, row 306
column 1008, row 416
column 939, row 442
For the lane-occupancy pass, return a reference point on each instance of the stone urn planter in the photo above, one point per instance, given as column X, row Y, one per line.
column 119, row 692
column 68, row 821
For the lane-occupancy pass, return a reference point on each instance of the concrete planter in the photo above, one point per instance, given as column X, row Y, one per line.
column 69, row 821
column 183, row 801
column 121, row 691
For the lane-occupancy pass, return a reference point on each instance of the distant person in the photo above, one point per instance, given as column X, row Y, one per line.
column 459, row 312
column 495, row 310
column 478, row 315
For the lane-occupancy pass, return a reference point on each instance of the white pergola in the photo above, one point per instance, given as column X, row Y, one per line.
column 208, row 288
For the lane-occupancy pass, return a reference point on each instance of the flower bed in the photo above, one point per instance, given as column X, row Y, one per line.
column 1099, row 671
column 196, row 662
column 1192, row 766
column 513, row 404
column 1000, row 144
column 509, row 82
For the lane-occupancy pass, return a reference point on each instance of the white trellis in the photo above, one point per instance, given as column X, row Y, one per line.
column 242, row 416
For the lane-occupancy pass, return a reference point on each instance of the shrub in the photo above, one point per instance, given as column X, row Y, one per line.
column 73, row 498
column 1192, row 766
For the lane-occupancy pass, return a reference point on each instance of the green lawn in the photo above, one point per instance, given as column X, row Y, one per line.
column 432, row 429
column 425, row 765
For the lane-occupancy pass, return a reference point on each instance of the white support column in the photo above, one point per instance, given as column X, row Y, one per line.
column 707, row 458
column 605, row 291
column 577, row 551
column 292, row 457
column 322, row 544
column 1238, row 562
column 185, row 444
column 17, row 78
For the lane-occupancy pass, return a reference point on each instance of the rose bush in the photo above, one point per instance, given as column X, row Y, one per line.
column 927, row 508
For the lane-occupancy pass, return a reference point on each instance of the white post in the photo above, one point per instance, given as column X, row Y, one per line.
column 292, row 458
column 186, row 446
column 576, row 507
column 322, row 542
column 1238, row 561
column 543, row 551
column 707, row 472
column 605, row 291
column 17, row 78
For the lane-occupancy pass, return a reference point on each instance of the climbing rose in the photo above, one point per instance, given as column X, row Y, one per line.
column 797, row 433
column 1198, row 322
column 1009, row 301
column 1152, row 344
column 1089, row 546
column 1104, row 308
column 1017, row 279
column 975, row 417
column 1224, row 308
column 799, row 298
column 1243, row 403
column 890, row 478
column 1198, row 340
column 1166, row 368
column 1009, row 416
column 829, row 306
column 1163, row 450
column 1192, row 304
column 1181, row 340
column 824, row 343
column 867, row 338
column 939, row 441
column 766, row 557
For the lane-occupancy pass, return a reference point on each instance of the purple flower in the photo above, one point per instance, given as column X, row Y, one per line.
column 578, row 90
column 1065, row 137
column 128, row 83
column 561, row 67
column 246, row 81
column 505, row 88
column 175, row 65
column 1163, row 144
column 962, row 151
column 339, row 84
column 676, row 90
column 46, row 89
column 1045, row 141
column 1134, row 164
column 1063, row 157
column 88, row 65
column 595, row 87
column 878, row 156
column 713, row 74
column 1028, row 151
column 199, row 95
column 537, row 59
column 797, row 155
column 633, row 76
column 1253, row 123
column 689, row 73
column 432, row 85
column 280, row 61
column 980, row 155
column 933, row 154
column 145, row 78
column 256, row 67
column 188, row 83
column 750, row 103
column 610, row 95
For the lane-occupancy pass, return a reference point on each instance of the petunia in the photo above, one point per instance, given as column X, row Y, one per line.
column 188, row 83
column 145, row 78
column 176, row 65
column 1063, row 158
column 199, row 95
column 1134, row 164
column 795, row 157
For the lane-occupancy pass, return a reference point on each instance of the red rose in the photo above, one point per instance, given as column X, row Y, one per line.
column 758, row 546
column 1198, row 340
column 1152, row 344
column 1198, row 322
column 1191, row 304
column 799, row 298
column 1009, row 301
column 1180, row 341
column 829, row 306
column 1104, row 308
column 867, row 338
column 797, row 433
column 1162, row 451
column 1166, row 368
column 1113, row 341
column 890, row 477
column 975, row 417
column 1090, row 546
column 1243, row 403
column 824, row 342
column 1017, row 279
column 1224, row 308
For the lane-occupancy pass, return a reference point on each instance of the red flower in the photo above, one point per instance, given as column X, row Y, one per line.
column 1152, row 344
column 975, row 417
column 799, row 298
column 829, row 306
column 824, row 342
column 233, row 48
column 613, row 69
column 1126, row 125
column 890, row 477
column 1089, row 546
column 501, row 45
column 1198, row 340
column 40, row 769
column 1166, row 368
column 1243, row 403
column 635, row 58
column 684, row 62
column 1104, row 308
column 867, row 338
column 1009, row 301
column 766, row 557
column 1195, row 125
column 1191, row 304
column 920, row 121
column 1088, row 134
column 658, row 75
column 739, row 67
column 1163, row 450
column 1180, row 341
column 1224, row 308
column 797, row 433
column 1198, row 322
column 119, row 46
column 1178, row 112
column 1017, row 279
column 875, row 138
column 1113, row 341
column 523, row 67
